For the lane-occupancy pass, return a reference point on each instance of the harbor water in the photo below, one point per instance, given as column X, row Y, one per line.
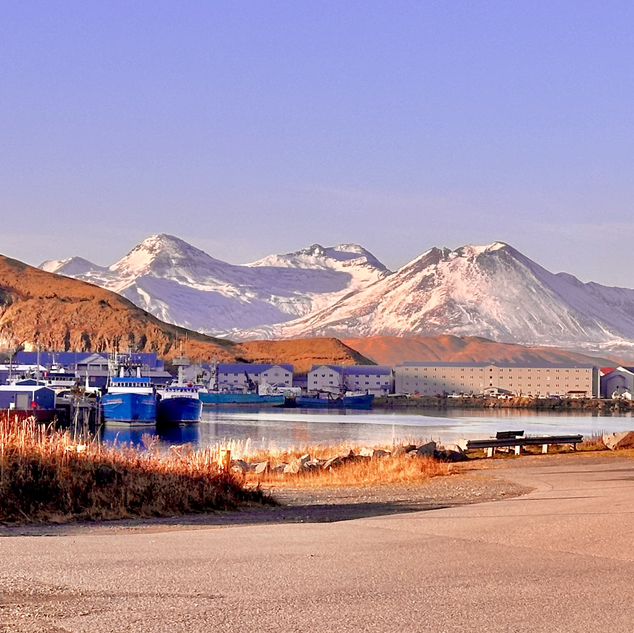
column 271, row 428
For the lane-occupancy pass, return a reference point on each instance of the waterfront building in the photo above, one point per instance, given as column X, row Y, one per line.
column 83, row 360
column 431, row 379
column 374, row 379
column 15, row 371
column 25, row 397
column 91, row 365
column 238, row 376
column 617, row 382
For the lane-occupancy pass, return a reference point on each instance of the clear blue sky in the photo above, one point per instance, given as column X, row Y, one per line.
column 256, row 127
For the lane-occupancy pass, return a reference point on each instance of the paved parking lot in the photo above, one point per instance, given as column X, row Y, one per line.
column 558, row 559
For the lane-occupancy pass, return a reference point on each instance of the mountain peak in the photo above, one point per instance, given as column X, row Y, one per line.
column 160, row 248
column 70, row 266
column 339, row 257
column 314, row 250
column 473, row 250
column 435, row 255
column 163, row 241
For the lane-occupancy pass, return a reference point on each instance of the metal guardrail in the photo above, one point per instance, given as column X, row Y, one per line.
column 517, row 442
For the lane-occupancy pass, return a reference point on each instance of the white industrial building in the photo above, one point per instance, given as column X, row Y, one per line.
column 237, row 376
column 431, row 379
column 374, row 379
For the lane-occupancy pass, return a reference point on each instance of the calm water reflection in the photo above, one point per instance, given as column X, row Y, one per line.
column 283, row 428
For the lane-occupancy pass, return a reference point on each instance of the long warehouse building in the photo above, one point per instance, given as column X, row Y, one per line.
column 431, row 379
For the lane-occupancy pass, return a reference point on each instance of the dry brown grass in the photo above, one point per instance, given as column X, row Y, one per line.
column 356, row 471
column 361, row 474
column 46, row 475
column 593, row 443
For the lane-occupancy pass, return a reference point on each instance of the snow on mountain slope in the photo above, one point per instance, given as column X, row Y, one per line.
column 362, row 267
column 491, row 291
column 70, row 267
column 181, row 284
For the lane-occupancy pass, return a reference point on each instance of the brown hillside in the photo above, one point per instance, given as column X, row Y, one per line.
column 56, row 312
column 304, row 353
column 60, row 313
column 391, row 350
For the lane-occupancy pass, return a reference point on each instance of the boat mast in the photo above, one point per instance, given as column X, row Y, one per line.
column 181, row 362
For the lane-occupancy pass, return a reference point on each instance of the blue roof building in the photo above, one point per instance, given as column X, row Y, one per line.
column 72, row 359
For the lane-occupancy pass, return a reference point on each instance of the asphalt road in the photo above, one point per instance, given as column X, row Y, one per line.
column 559, row 559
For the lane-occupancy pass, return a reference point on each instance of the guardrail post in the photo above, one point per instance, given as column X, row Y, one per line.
column 544, row 448
column 518, row 449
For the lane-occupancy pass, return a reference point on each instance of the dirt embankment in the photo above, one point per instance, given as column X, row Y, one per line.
column 304, row 353
column 392, row 350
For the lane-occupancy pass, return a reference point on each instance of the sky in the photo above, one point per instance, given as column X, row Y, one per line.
column 250, row 128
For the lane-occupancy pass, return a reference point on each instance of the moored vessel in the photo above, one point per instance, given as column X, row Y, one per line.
column 130, row 400
column 262, row 394
column 327, row 400
column 179, row 404
column 211, row 398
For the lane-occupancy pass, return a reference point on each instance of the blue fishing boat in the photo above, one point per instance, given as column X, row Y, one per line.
column 179, row 404
column 261, row 394
column 326, row 400
column 130, row 400
column 213, row 398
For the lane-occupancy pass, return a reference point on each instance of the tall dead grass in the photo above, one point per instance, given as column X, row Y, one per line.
column 360, row 473
column 47, row 475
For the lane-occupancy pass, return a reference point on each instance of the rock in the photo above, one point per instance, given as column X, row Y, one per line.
column 333, row 462
column 456, row 448
column 426, row 450
column 616, row 441
column 279, row 469
column 313, row 464
column 403, row 449
column 351, row 458
column 296, row 466
column 451, row 456
column 373, row 452
column 239, row 466
column 305, row 458
column 462, row 444
column 262, row 468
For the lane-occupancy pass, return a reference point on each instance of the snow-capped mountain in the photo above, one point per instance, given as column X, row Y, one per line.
column 181, row 284
column 71, row 267
column 490, row 291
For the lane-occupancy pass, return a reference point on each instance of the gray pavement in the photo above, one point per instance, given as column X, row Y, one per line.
column 558, row 559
